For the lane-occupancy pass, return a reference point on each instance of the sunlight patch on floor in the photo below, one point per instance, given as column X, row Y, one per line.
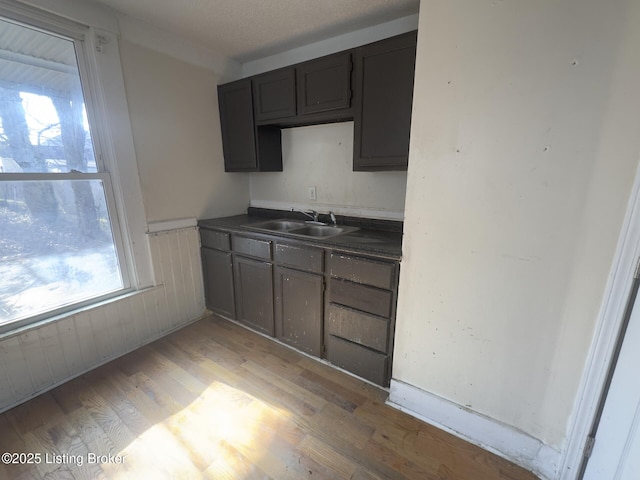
column 219, row 435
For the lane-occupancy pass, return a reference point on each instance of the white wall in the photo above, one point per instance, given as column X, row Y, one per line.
column 153, row 38
column 524, row 146
column 173, row 107
column 322, row 156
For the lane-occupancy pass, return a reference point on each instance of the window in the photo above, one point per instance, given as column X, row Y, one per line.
column 60, row 245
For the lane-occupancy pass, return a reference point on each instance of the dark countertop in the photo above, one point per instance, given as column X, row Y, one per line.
column 365, row 240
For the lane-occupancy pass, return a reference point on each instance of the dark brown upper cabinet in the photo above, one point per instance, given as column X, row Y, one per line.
column 246, row 148
column 384, row 74
column 324, row 84
column 275, row 94
column 371, row 85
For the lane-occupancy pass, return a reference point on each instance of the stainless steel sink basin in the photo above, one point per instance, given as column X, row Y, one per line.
column 279, row 225
column 321, row 231
column 295, row 227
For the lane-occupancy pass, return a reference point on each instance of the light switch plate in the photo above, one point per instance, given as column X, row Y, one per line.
column 311, row 193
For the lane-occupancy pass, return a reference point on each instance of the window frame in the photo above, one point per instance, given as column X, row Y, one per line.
column 102, row 85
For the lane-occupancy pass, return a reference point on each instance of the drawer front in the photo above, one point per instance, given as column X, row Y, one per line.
column 361, row 297
column 302, row 258
column 215, row 239
column 252, row 247
column 357, row 359
column 362, row 270
column 358, row 327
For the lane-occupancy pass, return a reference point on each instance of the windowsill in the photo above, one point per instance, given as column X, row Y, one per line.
column 36, row 324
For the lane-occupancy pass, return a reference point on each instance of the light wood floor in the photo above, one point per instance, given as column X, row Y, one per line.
column 217, row 401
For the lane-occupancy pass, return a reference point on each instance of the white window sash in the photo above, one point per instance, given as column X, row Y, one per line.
column 107, row 111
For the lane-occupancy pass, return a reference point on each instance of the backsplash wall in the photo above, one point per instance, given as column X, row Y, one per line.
column 321, row 156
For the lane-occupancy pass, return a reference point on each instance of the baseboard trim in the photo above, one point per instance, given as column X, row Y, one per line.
column 492, row 435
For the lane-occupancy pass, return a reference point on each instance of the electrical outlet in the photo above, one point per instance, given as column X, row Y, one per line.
column 311, row 193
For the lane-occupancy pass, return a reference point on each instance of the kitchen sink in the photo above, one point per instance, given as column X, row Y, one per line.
column 321, row 231
column 304, row 229
column 279, row 225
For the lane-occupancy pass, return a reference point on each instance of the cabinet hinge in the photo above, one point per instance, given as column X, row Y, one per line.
column 588, row 446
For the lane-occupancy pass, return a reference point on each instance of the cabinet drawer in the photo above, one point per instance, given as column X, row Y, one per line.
column 252, row 247
column 215, row 239
column 302, row 258
column 362, row 270
column 361, row 297
column 358, row 327
column 357, row 359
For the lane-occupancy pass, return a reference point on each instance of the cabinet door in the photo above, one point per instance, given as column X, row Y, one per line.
column 324, row 84
column 238, row 130
column 218, row 282
column 275, row 94
column 299, row 309
column 384, row 74
column 254, row 293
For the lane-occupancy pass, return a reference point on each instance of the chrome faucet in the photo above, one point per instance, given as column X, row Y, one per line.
column 333, row 219
column 312, row 214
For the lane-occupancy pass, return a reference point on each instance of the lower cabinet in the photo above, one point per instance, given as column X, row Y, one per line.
column 217, row 268
column 254, row 293
column 359, row 315
column 329, row 304
column 299, row 309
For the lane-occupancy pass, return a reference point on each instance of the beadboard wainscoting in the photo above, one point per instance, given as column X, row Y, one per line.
column 37, row 359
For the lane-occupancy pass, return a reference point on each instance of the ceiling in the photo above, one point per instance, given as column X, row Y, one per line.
column 246, row 30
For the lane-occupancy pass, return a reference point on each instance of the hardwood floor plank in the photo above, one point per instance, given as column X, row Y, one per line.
column 268, row 390
column 402, row 465
column 12, row 442
column 90, row 432
column 229, row 464
column 325, row 454
column 162, row 402
column 126, row 411
column 67, row 397
column 36, row 413
column 310, row 398
column 258, row 348
column 114, row 428
column 329, row 391
column 337, row 423
column 217, row 401
column 362, row 474
column 356, row 385
column 61, row 473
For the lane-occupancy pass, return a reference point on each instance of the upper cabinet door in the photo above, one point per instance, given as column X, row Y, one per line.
column 324, row 84
column 384, row 74
column 275, row 94
column 236, row 122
